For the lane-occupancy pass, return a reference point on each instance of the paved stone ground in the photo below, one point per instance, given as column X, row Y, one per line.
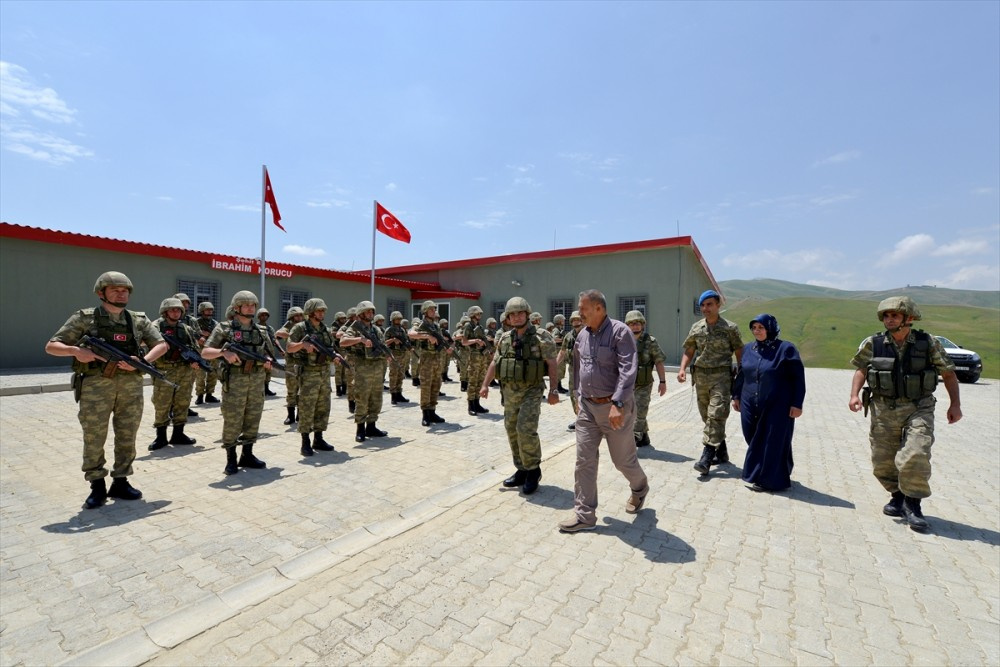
column 405, row 550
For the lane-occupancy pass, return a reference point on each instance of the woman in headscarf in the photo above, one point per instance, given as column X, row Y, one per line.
column 768, row 394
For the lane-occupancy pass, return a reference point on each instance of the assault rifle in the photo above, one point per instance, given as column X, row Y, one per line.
column 188, row 353
column 247, row 354
column 314, row 340
column 113, row 355
column 432, row 330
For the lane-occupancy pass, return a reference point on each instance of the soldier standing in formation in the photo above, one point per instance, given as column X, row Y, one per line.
column 292, row 369
column 522, row 357
column 192, row 322
column 715, row 340
column 558, row 334
column 205, row 381
column 449, row 346
column 105, row 389
column 901, row 367
column 397, row 340
column 427, row 334
column 364, row 340
column 263, row 315
column 314, row 376
column 170, row 404
column 566, row 358
column 340, row 373
column 474, row 342
column 461, row 354
column 242, row 380
column 352, row 316
column 649, row 356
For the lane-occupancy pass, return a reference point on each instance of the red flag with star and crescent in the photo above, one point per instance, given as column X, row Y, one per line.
column 390, row 225
column 269, row 199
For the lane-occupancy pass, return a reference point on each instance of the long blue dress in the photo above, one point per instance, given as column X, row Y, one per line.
column 773, row 382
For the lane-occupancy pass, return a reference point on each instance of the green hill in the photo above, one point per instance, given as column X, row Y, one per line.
column 765, row 289
column 827, row 330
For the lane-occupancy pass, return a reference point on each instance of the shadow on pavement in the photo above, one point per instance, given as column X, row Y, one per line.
column 725, row 471
column 548, row 496
column 449, row 427
column 320, row 459
column 960, row 531
column 814, row 497
column 247, row 478
column 115, row 513
column 379, row 444
column 653, row 454
column 658, row 545
column 172, row 452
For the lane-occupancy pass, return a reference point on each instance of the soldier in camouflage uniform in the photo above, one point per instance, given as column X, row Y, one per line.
column 365, row 343
column 425, row 333
column 339, row 373
column 523, row 356
column 397, row 340
column 566, row 358
column 535, row 320
column 191, row 321
column 170, row 405
column 558, row 333
column 205, row 381
column 263, row 315
column 491, row 343
column 461, row 354
column 446, row 352
column 715, row 340
column 107, row 390
column 242, row 380
column 292, row 370
column 348, row 386
column 314, row 376
column 648, row 356
column 476, row 346
column 901, row 367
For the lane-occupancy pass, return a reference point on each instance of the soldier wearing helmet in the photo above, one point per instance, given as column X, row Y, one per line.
column 263, row 315
column 397, row 340
column 171, row 404
column 294, row 315
column 649, row 357
column 558, row 332
column 448, row 351
column 369, row 358
column 900, row 366
column 566, row 358
column 430, row 342
column 523, row 356
column 314, row 376
column 715, row 341
column 345, row 381
column 188, row 318
column 104, row 388
column 205, row 381
column 340, row 372
column 475, row 342
column 242, row 379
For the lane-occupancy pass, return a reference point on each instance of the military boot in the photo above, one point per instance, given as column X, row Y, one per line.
column 721, row 454
column 372, row 431
column 425, row 420
column 248, row 460
column 913, row 514
column 445, row 378
column 290, row 419
column 642, row 440
column 98, row 494
column 472, row 409
column 319, row 444
column 343, row 389
column 161, row 439
column 306, row 449
column 200, row 399
column 177, row 437
column 416, row 381
column 121, row 489
column 705, row 462
column 267, row 390
column 531, row 479
column 359, row 436
column 339, row 392
column 192, row 413
column 561, row 389
column 351, row 405
column 211, row 399
column 231, row 468
column 480, row 409
column 517, row 479
column 434, row 417
column 465, row 385
column 400, row 398
column 895, row 505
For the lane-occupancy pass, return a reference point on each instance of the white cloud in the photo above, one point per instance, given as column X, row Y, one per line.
column 19, row 92
column 908, row 248
column 837, row 158
column 984, row 191
column 242, row 207
column 390, row 187
column 165, row 198
column 41, row 146
column 961, row 248
column 977, row 276
column 798, row 260
column 826, row 200
column 305, row 251
column 491, row 219
column 328, row 203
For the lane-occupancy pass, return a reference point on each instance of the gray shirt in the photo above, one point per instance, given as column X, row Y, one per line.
column 604, row 363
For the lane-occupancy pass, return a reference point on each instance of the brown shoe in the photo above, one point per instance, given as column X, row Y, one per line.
column 574, row 525
column 634, row 503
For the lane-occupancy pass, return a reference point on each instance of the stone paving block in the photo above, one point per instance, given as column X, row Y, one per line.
column 134, row 648
column 188, row 621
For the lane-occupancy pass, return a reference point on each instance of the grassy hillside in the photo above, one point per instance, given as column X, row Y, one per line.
column 827, row 331
column 766, row 289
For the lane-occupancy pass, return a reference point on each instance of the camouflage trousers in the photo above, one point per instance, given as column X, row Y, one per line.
column 477, row 373
column 713, row 388
column 205, row 381
column 339, row 374
column 642, row 398
column 901, row 439
column 368, row 377
column 522, row 406
column 166, row 400
column 292, row 373
column 120, row 400
column 397, row 369
column 464, row 362
column 561, row 368
column 242, row 406
column 314, row 398
column 430, row 378
column 349, row 380
column 572, row 392
column 415, row 362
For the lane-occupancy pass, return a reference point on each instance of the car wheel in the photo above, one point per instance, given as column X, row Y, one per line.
column 968, row 377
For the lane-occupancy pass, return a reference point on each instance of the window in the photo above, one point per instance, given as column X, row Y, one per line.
column 498, row 308
column 394, row 304
column 697, row 308
column 443, row 310
column 627, row 303
column 289, row 298
column 562, row 307
column 200, row 291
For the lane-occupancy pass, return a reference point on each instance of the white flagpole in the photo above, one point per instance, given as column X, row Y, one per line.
column 374, row 226
column 263, row 228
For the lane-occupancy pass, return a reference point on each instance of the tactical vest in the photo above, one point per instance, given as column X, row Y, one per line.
column 644, row 361
column 912, row 377
column 251, row 339
column 121, row 335
column 325, row 337
column 396, row 331
column 429, row 328
column 357, row 328
column 521, row 359
column 178, row 331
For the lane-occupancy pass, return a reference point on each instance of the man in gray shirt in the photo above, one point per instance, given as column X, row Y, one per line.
column 604, row 370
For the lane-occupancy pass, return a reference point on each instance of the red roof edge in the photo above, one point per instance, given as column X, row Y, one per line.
column 704, row 265
column 445, row 294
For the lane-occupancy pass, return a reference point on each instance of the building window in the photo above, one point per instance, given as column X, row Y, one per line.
column 200, row 291
column 392, row 305
column 442, row 309
column 627, row 303
column 562, row 307
column 498, row 308
column 289, row 298
column 697, row 307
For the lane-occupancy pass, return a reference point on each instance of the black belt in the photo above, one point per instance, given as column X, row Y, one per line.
column 600, row 400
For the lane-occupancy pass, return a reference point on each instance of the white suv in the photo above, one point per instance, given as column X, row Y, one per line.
column 968, row 364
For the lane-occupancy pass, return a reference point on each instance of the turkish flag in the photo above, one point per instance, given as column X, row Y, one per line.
column 390, row 225
column 269, row 198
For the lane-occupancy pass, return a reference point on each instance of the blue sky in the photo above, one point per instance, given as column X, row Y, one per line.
column 851, row 144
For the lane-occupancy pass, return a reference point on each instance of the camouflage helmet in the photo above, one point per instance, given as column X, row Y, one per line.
column 112, row 279
column 535, row 316
column 902, row 304
column 168, row 303
column 340, row 315
column 379, row 318
column 205, row 305
column 263, row 311
column 183, row 297
column 427, row 305
column 312, row 305
column 474, row 310
column 465, row 319
column 395, row 315
column 516, row 304
column 443, row 323
column 404, row 323
column 352, row 311
column 575, row 316
column 241, row 298
column 363, row 306
column 491, row 320
column 549, row 325
column 559, row 318
column 635, row 316
column 230, row 312
column 294, row 311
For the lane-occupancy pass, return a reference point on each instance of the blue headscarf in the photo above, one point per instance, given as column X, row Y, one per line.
column 769, row 323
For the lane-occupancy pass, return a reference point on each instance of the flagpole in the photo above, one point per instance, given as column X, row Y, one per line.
column 263, row 228
column 374, row 226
